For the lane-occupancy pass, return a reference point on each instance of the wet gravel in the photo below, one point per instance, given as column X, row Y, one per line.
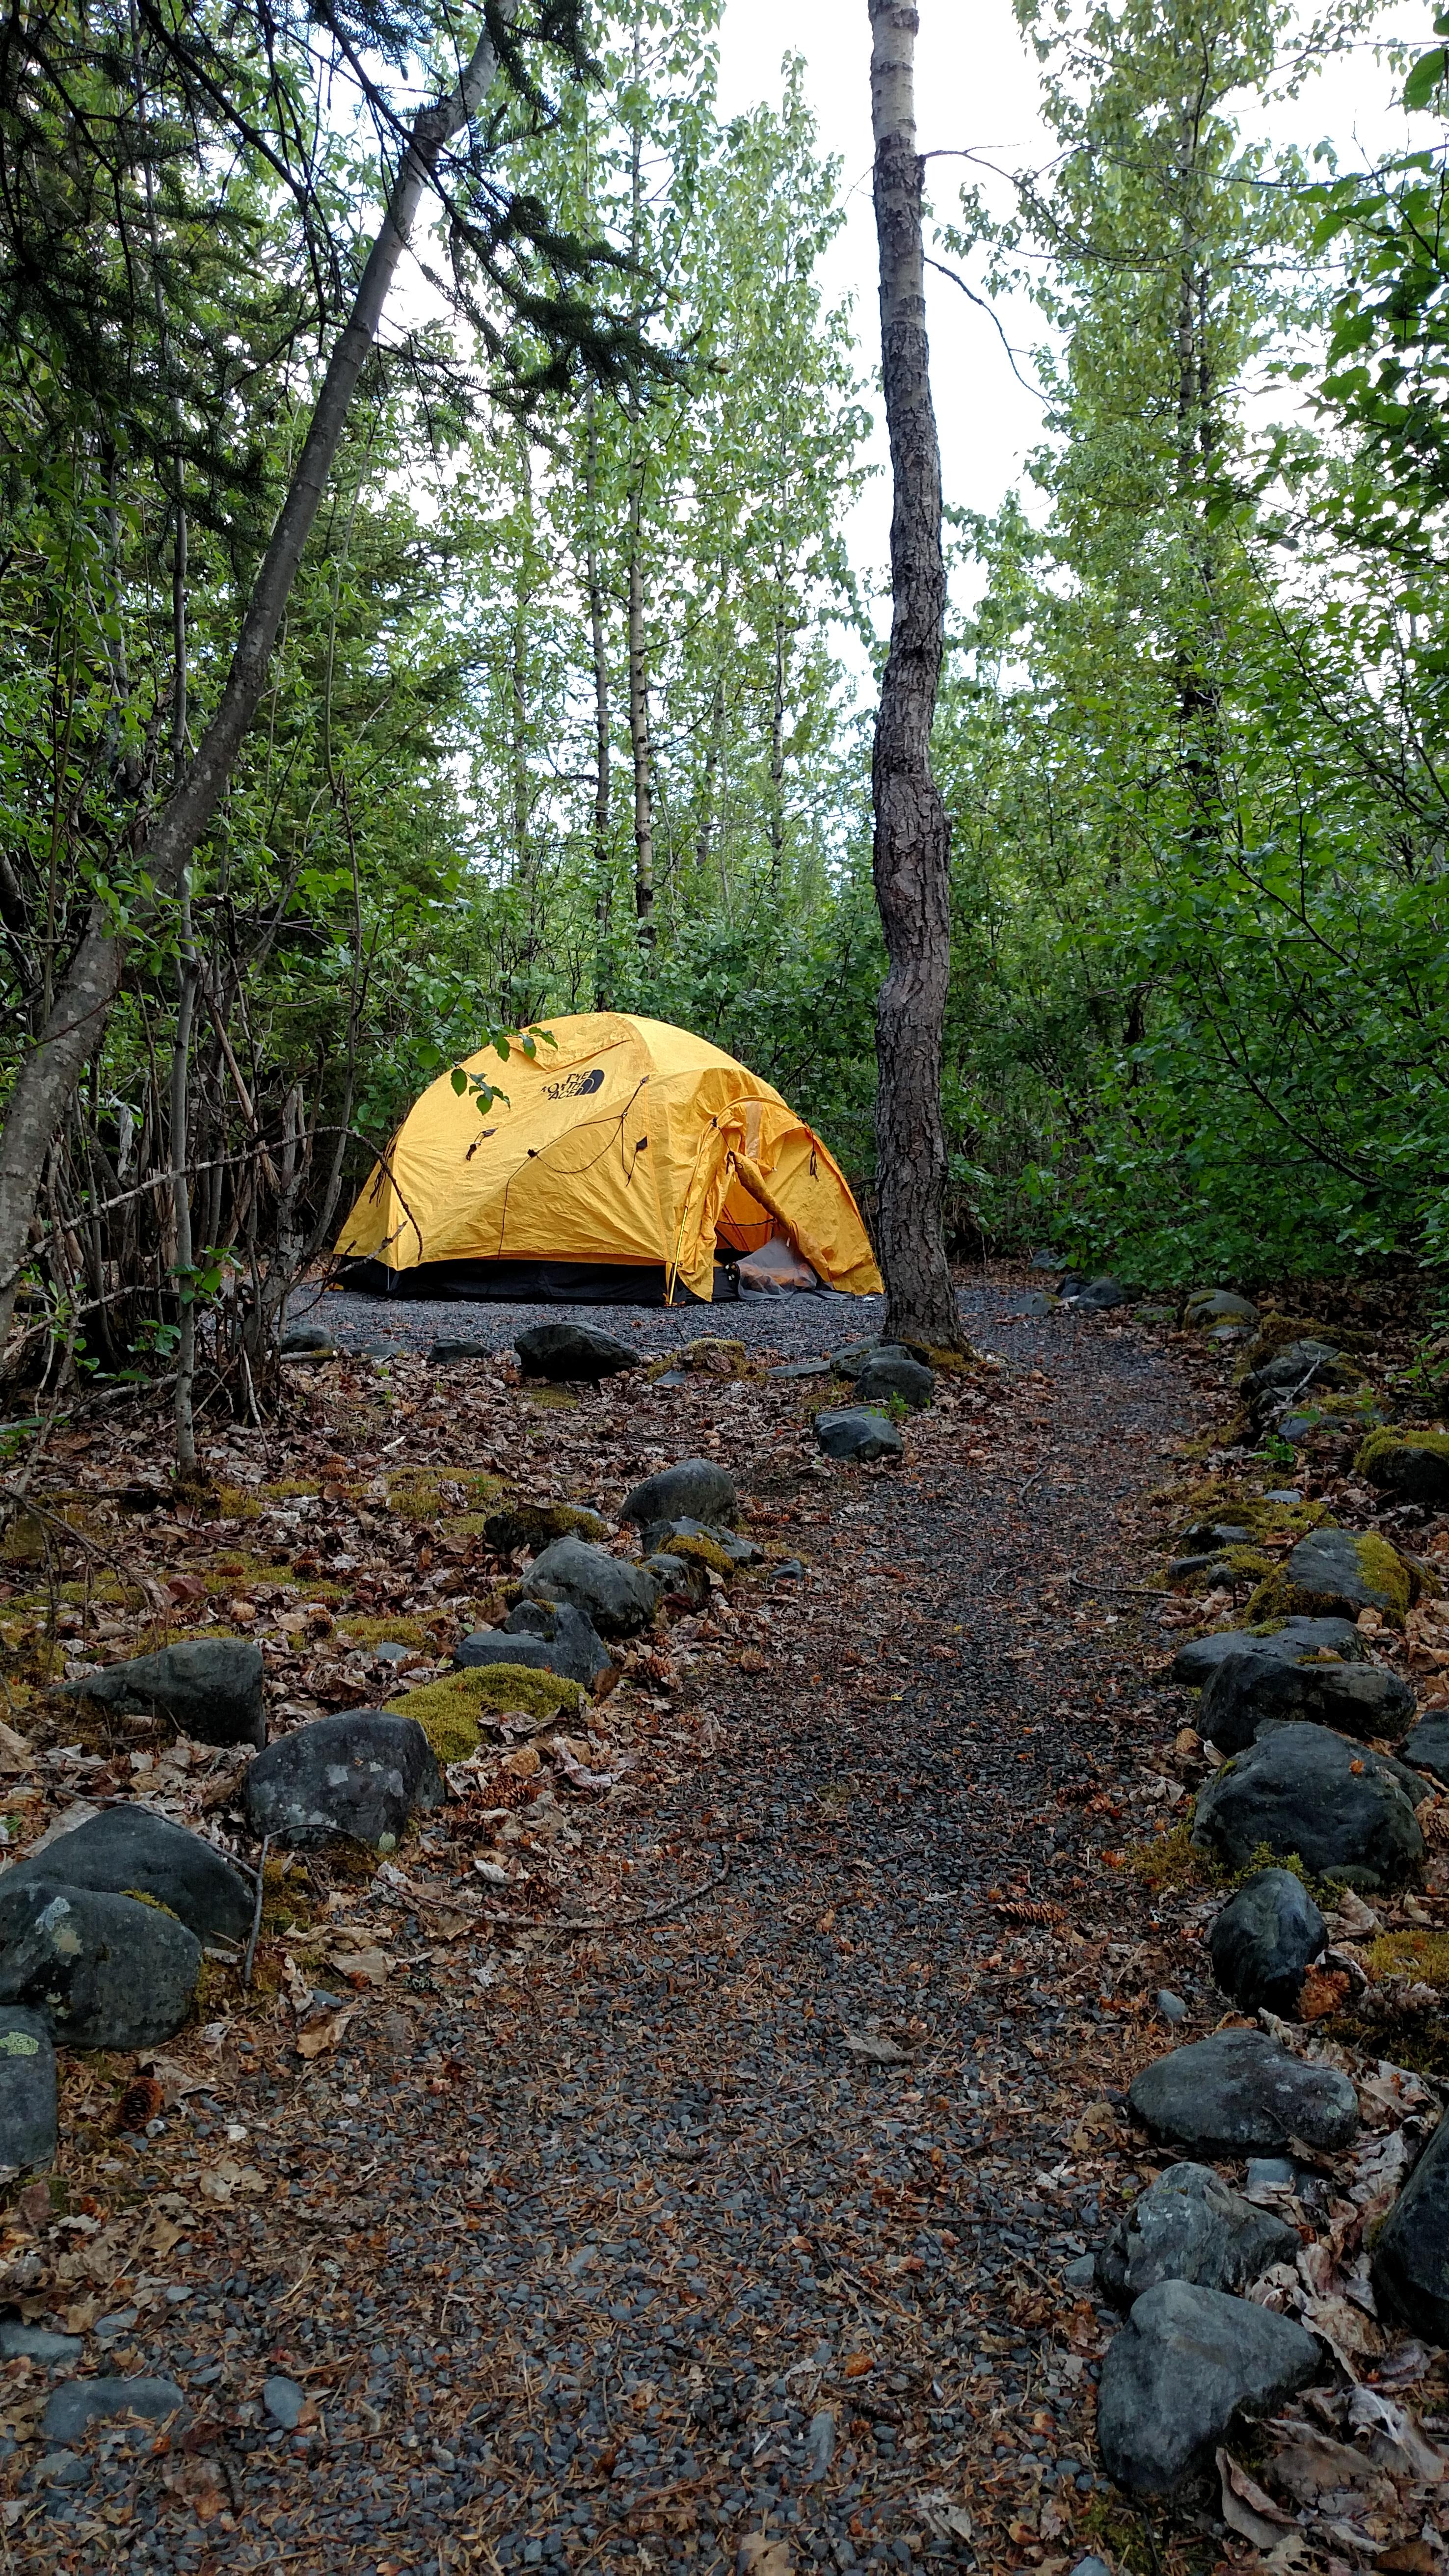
column 621, row 2253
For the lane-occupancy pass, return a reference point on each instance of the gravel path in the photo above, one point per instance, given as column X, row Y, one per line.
column 800, row 1327
column 752, row 2218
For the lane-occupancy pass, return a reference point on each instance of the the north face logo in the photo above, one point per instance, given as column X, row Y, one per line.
column 575, row 1086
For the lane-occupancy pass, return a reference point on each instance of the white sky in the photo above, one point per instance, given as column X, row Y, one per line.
column 977, row 89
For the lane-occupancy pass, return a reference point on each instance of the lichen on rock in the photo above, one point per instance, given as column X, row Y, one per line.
column 449, row 1711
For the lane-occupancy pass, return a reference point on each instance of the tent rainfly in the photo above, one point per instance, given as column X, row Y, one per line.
column 633, row 1164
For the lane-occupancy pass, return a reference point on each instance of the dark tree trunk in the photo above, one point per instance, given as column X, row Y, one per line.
column 912, row 834
column 78, row 1012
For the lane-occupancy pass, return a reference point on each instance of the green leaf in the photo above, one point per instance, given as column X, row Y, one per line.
column 1426, row 77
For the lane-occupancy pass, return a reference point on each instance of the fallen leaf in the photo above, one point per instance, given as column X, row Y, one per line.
column 323, row 2032
column 880, row 2051
column 1411, row 2558
column 361, row 1967
column 1246, row 2509
column 761, row 2556
column 33, row 2204
column 856, row 2364
column 524, row 1762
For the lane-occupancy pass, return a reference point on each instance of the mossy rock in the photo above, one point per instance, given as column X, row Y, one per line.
column 536, row 1525
column 712, row 1356
column 416, row 1497
column 448, row 1711
column 1336, row 1574
column 704, row 1551
column 1414, row 1465
column 1276, row 1331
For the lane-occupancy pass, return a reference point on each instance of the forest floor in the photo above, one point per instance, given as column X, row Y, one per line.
column 696, row 2183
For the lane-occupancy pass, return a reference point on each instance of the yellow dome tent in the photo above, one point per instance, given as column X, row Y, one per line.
column 628, row 1157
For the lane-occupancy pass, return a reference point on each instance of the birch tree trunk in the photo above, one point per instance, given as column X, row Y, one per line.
column 912, row 834
column 88, row 986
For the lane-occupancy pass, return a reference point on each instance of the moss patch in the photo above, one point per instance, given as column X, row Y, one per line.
column 1275, row 1333
column 536, row 1525
column 552, row 1399
column 1414, row 1464
column 417, row 1497
column 1422, row 1954
column 1172, row 1860
column 449, row 1711
column 384, row 1632
column 705, row 1551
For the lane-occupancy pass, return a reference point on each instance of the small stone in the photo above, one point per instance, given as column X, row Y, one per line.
column 28, row 2100
column 1093, row 2566
column 1284, row 1494
column 360, row 1774
column 1265, row 1940
column 789, row 1570
column 446, row 1354
column 1360, row 1699
column 1410, row 2261
column 385, row 1653
column 740, row 1551
column 1217, row 1306
column 1171, row 2006
column 1413, row 1465
column 550, row 1636
column 574, row 1351
column 695, row 1486
column 210, row 1687
column 60, row 2469
column 1081, row 2272
column 1188, row 2226
column 284, row 2401
column 307, row 1342
column 82, row 2402
column 1343, row 1810
column 1187, row 2362
column 619, row 1597
column 1195, row 1663
column 1241, row 2093
column 102, row 1971
column 1099, row 1296
column 857, row 1435
column 796, row 1368
column 34, row 2343
column 1029, row 1305
column 679, row 1576
column 1270, row 2173
column 1427, row 1749
column 126, row 1850
column 895, row 1373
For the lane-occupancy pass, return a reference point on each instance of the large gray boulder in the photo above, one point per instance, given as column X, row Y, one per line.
column 1264, row 1942
column 1194, row 1664
column 857, row 1435
column 696, row 1487
column 1336, row 1573
column 360, row 1775
column 617, row 1595
column 895, row 1373
column 1414, row 1465
column 1099, row 1296
column 210, row 1687
column 548, row 1636
column 1188, row 2226
column 28, row 2104
column 1359, row 1699
column 1410, row 2262
column 1240, row 2093
column 1188, row 2362
column 577, row 1351
column 1344, row 1810
column 128, row 1851
column 102, row 1971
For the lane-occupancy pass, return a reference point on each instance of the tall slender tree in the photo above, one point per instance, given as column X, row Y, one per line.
column 912, row 851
